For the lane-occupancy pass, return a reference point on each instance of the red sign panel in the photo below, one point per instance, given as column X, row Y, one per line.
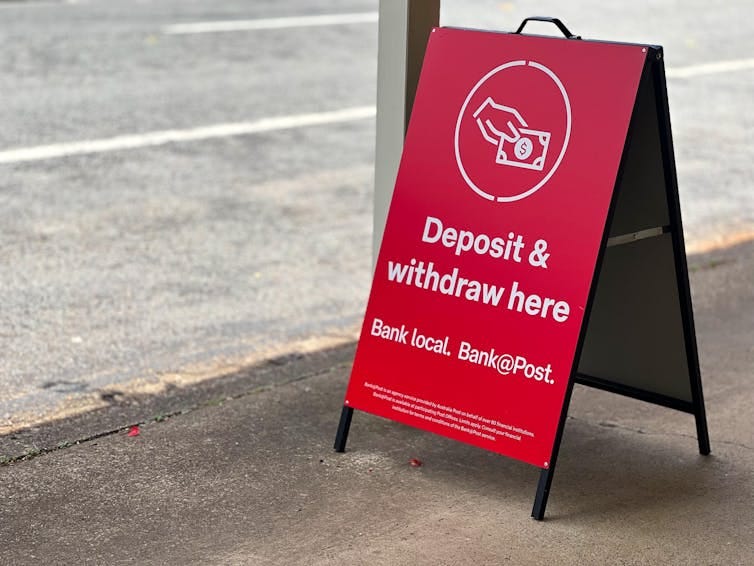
column 493, row 233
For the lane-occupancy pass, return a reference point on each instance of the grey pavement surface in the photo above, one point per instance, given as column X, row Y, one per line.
column 136, row 263
column 252, row 479
column 120, row 268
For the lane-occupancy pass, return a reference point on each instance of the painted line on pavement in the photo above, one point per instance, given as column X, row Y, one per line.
column 710, row 68
column 271, row 23
column 371, row 17
column 134, row 141
column 163, row 137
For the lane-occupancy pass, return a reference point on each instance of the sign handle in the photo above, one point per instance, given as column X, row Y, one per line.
column 561, row 26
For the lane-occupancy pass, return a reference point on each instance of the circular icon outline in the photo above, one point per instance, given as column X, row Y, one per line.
column 555, row 166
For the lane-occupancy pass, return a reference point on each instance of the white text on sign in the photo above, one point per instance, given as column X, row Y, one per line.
column 425, row 275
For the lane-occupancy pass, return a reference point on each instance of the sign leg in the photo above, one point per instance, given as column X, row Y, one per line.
column 702, row 434
column 546, row 474
column 543, row 492
column 343, row 427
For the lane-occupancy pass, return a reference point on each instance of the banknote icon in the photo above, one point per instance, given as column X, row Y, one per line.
column 517, row 144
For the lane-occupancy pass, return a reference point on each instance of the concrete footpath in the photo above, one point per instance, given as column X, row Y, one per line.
column 241, row 471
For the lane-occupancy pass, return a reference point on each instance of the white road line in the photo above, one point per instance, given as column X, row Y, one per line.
column 710, row 68
column 134, row 141
column 24, row 5
column 271, row 23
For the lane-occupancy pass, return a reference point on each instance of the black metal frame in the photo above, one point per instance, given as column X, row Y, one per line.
column 546, row 474
column 635, row 393
column 654, row 71
column 679, row 252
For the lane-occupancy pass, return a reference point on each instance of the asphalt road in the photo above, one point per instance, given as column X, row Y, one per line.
column 137, row 263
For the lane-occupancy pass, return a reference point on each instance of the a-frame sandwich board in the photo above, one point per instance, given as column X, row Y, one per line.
column 636, row 333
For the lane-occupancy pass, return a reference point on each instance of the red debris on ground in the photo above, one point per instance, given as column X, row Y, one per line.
column 414, row 462
column 134, row 430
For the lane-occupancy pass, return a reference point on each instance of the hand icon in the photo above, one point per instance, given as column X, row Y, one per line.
column 517, row 145
column 498, row 122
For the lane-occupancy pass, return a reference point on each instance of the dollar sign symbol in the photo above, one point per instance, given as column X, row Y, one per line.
column 523, row 148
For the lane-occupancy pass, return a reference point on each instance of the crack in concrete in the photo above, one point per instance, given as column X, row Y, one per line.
column 35, row 452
